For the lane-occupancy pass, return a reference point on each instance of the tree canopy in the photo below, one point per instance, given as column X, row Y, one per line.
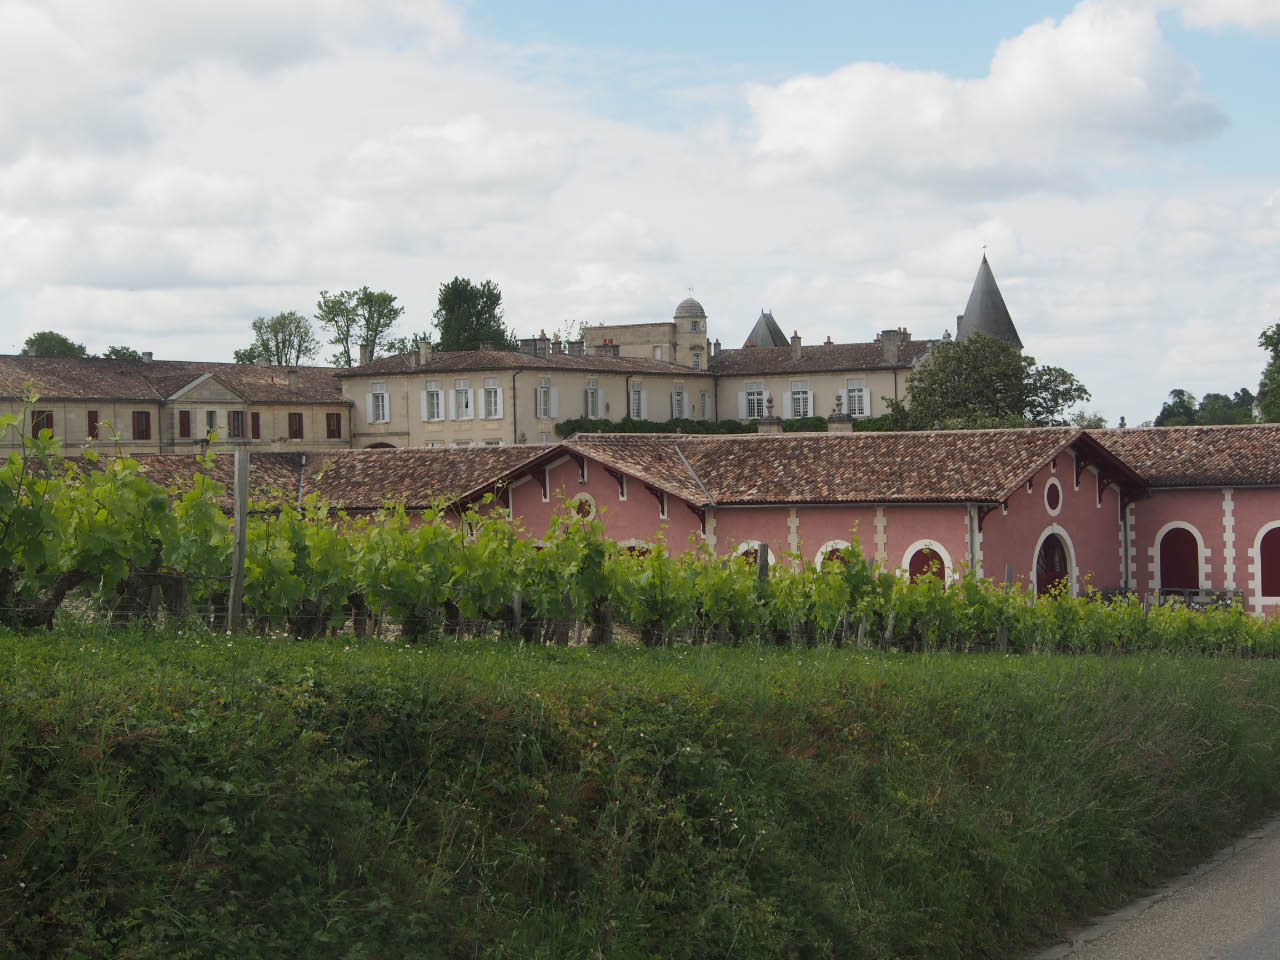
column 355, row 319
column 121, row 353
column 1182, row 409
column 49, row 343
column 468, row 315
column 284, row 340
column 985, row 382
column 1269, row 387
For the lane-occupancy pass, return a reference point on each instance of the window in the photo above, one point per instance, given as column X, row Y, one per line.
column 333, row 426
column 592, row 405
column 755, row 401
column 544, row 438
column 704, row 406
column 91, row 424
column 696, row 362
column 677, row 401
column 41, row 420
column 925, row 562
column 210, row 420
column 492, row 399
column 142, row 425
column 462, row 400
column 184, row 423
column 637, row 402
column 462, row 443
column 657, row 353
column 544, row 398
column 799, row 398
column 856, row 394
column 495, row 442
column 378, row 407
column 295, row 426
column 235, row 423
column 255, row 425
column 693, row 325
column 433, row 401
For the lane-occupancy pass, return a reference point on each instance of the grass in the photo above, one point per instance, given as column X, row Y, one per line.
column 189, row 795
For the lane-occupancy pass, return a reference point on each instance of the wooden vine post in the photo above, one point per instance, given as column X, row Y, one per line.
column 235, row 612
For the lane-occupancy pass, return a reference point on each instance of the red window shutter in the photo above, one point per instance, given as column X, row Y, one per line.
column 333, row 426
column 91, row 424
column 295, row 426
column 184, row 423
column 255, row 424
column 41, row 420
column 141, row 425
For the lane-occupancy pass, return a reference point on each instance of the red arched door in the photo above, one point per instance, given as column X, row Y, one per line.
column 925, row 560
column 1179, row 560
column 1269, row 557
column 1051, row 565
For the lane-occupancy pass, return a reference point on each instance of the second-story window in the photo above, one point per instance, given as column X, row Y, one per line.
column 235, row 423
column 492, row 399
column 379, row 409
column 543, row 403
column 637, row 402
column 799, row 398
column 592, row 407
column 755, row 401
column 462, row 400
column 696, row 360
column 433, row 403
column 857, row 397
column 657, row 353
column 677, row 401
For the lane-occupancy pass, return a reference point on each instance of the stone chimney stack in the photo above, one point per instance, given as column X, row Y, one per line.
column 715, row 347
column 424, row 351
column 889, row 342
column 292, row 373
column 366, row 354
column 795, row 346
column 146, row 356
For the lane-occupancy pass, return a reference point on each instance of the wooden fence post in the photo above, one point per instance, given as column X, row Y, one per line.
column 235, row 613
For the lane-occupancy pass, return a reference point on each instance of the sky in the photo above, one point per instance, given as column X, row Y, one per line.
column 169, row 172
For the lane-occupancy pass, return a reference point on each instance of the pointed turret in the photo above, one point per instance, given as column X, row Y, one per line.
column 986, row 312
column 766, row 333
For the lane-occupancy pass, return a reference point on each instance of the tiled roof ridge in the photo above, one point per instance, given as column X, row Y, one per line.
column 388, row 364
column 766, row 437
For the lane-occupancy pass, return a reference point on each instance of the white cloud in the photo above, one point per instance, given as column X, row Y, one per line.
column 1099, row 87
column 1252, row 14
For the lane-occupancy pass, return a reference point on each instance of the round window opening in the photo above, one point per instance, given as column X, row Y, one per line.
column 1053, row 496
column 584, row 506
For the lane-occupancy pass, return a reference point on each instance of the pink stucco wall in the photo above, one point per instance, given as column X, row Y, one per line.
column 1091, row 531
column 1226, row 522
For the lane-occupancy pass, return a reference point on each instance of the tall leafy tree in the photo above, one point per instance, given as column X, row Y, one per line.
column 121, row 353
column 1178, row 411
column 49, row 343
column 1182, row 409
column 1269, row 387
column 355, row 319
column 985, row 382
column 469, row 314
column 284, row 340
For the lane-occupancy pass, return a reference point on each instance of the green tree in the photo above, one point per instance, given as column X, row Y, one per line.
column 985, row 382
column 357, row 318
column 282, row 341
column 1269, row 387
column 48, row 343
column 1089, row 419
column 121, row 353
column 1219, row 408
column 1179, row 410
column 407, row 344
column 468, row 315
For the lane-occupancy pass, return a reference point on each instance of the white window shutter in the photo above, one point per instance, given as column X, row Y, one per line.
column 368, row 408
column 600, row 402
column 742, row 406
column 423, row 403
column 673, row 404
column 555, row 402
column 471, row 403
column 866, row 402
column 812, row 412
column 500, row 403
column 586, row 402
column 644, row 404
column 449, row 395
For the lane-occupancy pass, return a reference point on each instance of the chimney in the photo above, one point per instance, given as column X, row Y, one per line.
column 577, row 348
column 889, row 340
column 366, row 355
column 715, row 348
column 293, row 378
column 424, row 351
column 828, row 343
column 795, row 346
column 146, row 356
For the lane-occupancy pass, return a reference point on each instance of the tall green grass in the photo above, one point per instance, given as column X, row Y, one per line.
column 194, row 795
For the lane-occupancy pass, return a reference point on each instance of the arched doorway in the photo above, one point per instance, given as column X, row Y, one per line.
column 926, row 560
column 1179, row 560
column 1052, row 565
column 1269, row 560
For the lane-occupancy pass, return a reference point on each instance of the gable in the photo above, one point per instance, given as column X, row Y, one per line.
column 207, row 389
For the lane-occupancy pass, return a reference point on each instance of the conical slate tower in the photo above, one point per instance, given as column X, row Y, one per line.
column 766, row 333
column 985, row 312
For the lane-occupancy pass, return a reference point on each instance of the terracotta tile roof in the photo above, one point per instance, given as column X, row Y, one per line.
column 97, row 378
column 458, row 361
column 1246, row 455
column 270, row 474
column 366, row 479
column 927, row 466
column 814, row 358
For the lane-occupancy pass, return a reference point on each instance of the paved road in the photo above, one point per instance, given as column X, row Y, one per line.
column 1226, row 909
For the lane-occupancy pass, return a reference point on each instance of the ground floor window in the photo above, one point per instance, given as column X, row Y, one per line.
column 1052, row 567
column 924, row 561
